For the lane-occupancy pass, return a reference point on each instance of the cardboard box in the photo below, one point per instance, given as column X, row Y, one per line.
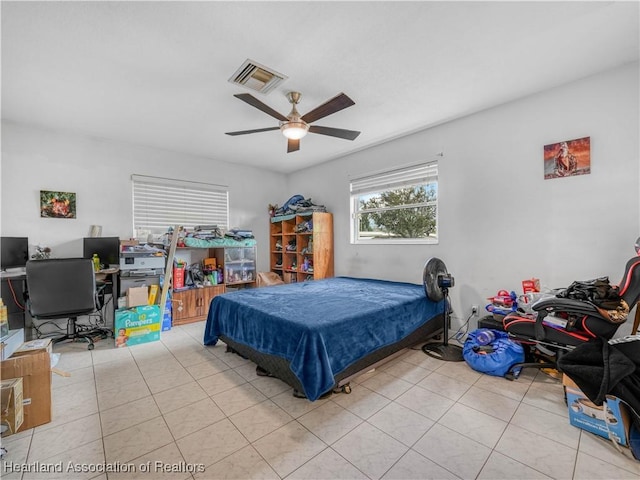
column 40, row 344
column 11, row 397
column 166, row 317
column 153, row 294
column 137, row 325
column 610, row 420
column 137, row 296
column 129, row 243
column 35, row 370
column 11, row 343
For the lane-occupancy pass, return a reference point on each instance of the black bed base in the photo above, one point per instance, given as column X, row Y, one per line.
column 279, row 367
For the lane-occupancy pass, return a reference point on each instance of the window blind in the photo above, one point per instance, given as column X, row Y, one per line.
column 398, row 178
column 160, row 203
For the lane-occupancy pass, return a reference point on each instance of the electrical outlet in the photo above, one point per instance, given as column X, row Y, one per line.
column 474, row 310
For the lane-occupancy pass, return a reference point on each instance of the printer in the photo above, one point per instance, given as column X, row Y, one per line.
column 141, row 266
column 141, row 263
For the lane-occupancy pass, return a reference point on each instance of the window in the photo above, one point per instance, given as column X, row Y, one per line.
column 396, row 206
column 160, row 203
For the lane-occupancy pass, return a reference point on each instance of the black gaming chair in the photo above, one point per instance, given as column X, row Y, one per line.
column 548, row 339
column 64, row 288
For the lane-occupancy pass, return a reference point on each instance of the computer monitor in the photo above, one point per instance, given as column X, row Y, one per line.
column 14, row 252
column 107, row 248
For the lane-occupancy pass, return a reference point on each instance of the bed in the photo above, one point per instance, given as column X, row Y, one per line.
column 318, row 335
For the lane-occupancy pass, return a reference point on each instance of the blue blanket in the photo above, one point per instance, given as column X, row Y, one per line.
column 323, row 326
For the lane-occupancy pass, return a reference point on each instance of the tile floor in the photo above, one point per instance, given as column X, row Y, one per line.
column 178, row 410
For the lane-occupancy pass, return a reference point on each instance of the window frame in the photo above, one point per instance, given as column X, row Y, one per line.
column 419, row 174
column 169, row 191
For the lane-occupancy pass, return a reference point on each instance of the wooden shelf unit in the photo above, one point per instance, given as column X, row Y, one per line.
column 315, row 246
column 239, row 271
column 192, row 305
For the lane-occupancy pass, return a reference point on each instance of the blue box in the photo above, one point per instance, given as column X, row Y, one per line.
column 610, row 420
column 137, row 325
column 166, row 318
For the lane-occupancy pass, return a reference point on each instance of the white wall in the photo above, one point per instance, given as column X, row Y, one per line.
column 99, row 172
column 500, row 222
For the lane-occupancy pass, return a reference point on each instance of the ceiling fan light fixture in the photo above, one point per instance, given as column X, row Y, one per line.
column 294, row 130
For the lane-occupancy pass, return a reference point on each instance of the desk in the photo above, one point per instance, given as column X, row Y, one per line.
column 13, row 295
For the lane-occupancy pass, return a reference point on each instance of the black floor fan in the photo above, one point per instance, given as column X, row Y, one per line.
column 437, row 282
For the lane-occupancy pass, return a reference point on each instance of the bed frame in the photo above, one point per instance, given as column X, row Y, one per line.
column 280, row 368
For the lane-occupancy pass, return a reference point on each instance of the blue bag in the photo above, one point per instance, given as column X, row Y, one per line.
column 495, row 358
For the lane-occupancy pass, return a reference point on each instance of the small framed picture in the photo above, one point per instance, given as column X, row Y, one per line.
column 567, row 158
column 57, row 204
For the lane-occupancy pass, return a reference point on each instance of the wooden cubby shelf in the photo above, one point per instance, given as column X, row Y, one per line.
column 297, row 254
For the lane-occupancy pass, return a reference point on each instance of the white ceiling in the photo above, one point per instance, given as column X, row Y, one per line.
column 156, row 73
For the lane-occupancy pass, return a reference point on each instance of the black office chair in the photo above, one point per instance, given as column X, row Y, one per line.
column 64, row 288
column 545, row 336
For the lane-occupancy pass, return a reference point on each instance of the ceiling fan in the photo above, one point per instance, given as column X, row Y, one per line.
column 295, row 126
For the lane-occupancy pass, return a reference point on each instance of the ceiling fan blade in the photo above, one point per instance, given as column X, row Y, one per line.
column 334, row 132
column 334, row 105
column 293, row 145
column 254, row 102
column 257, row 130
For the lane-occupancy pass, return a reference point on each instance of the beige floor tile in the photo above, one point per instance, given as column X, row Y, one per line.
column 401, row 423
column 330, row 422
column 547, row 424
column 476, row 425
column 547, row 398
column 413, row 466
column 490, row 403
column 294, row 406
column 173, row 379
column 259, row 420
column 212, row 443
column 456, row 453
column 49, row 442
column 592, row 468
column 119, row 394
column 501, row 467
column 289, row 447
column 425, row 402
column 180, row 396
column 406, row 371
column 78, row 375
column 193, row 417
column 270, row 386
column 387, row 385
column 210, row 366
column 17, row 447
column 238, row 399
column 125, row 445
column 221, row 382
column 460, row 371
column 601, row 448
column 191, row 353
column 125, row 416
column 516, row 390
column 83, row 462
column 371, row 450
column 361, row 401
column 414, row 417
column 165, row 463
column 244, row 464
column 444, row 385
column 328, row 464
column 540, row 453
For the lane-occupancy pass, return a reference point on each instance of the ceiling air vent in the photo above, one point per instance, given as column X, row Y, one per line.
column 257, row 77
